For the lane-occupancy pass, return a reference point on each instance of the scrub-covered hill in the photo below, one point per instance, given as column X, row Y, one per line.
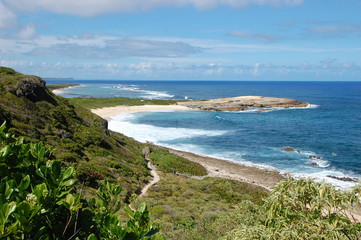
column 78, row 137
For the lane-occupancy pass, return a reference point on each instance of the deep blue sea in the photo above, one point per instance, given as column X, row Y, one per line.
column 330, row 128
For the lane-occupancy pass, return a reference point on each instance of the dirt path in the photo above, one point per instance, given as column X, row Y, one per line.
column 155, row 179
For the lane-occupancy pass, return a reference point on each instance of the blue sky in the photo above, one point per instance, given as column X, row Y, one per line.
column 304, row 40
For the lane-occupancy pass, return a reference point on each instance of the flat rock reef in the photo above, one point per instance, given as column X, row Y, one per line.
column 243, row 103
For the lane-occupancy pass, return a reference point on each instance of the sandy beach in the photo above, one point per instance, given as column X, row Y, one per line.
column 61, row 90
column 216, row 167
column 108, row 112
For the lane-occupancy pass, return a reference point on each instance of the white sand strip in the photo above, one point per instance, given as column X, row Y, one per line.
column 109, row 112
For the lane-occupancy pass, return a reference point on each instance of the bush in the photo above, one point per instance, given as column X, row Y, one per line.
column 38, row 200
column 302, row 209
column 170, row 163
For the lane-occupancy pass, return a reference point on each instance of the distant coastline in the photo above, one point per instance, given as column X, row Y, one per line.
column 59, row 79
column 61, row 87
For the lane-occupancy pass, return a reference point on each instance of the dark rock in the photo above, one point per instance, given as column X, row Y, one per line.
column 32, row 88
column 288, row 149
column 314, row 164
column 345, row 179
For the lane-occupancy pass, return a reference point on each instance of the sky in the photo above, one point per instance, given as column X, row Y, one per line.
column 278, row 40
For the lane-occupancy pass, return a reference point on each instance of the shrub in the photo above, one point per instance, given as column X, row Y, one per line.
column 302, row 209
column 38, row 200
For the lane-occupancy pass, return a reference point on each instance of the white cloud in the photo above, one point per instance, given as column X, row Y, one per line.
column 116, row 48
column 26, row 32
column 7, row 17
column 329, row 69
column 88, row 46
column 90, row 8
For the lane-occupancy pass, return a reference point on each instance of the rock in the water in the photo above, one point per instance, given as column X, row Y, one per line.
column 288, row 149
column 243, row 103
column 314, row 164
column 345, row 179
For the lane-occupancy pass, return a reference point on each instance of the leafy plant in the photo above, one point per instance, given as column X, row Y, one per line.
column 303, row 209
column 38, row 200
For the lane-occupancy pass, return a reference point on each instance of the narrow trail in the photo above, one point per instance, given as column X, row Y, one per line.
column 155, row 179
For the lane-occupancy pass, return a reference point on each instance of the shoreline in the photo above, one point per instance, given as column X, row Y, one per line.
column 221, row 168
column 109, row 112
column 61, row 90
column 216, row 167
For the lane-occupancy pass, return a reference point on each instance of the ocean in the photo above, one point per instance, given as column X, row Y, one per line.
column 327, row 134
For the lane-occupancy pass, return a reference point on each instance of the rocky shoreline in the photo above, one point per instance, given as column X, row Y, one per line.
column 243, row 103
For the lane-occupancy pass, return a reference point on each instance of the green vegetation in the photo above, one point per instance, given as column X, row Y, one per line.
column 79, row 138
column 189, row 208
column 53, row 86
column 169, row 163
column 214, row 208
column 92, row 103
column 300, row 209
column 38, row 200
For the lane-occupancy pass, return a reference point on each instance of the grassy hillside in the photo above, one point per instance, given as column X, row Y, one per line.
column 78, row 137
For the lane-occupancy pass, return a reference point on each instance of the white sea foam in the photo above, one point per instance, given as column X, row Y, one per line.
column 155, row 94
column 144, row 93
column 312, row 106
column 164, row 136
column 144, row 132
column 265, row 110
column 323, row 176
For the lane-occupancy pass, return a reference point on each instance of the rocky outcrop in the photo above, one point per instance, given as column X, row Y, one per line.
column 33, row 88
column 243, row 103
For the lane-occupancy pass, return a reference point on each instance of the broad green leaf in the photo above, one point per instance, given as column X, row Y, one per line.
column 24, row 184
column 41, row 191
column 23, row 209
column 142, row 208
column 69, row 182
column 92, row 237
column 55, row 169
column 8, row 209
column 67, row 173
column 5, row 151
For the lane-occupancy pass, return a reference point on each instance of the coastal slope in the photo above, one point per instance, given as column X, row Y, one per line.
column 243, row 103
column 78, row 137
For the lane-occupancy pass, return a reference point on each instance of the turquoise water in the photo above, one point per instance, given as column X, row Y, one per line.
column 330, row 128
